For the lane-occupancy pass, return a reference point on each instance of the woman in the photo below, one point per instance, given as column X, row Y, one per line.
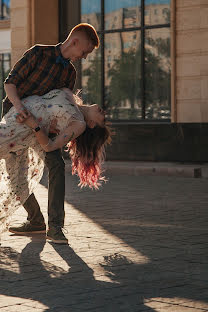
column 22, row 146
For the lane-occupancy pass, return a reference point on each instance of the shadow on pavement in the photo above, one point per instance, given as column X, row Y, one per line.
column 74, row 290
column 165, row 219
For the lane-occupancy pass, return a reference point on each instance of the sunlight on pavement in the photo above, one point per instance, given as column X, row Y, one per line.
column 92, row 251
column 104, row 258
column 91, row 243
column 16, row 304
column 168, row 304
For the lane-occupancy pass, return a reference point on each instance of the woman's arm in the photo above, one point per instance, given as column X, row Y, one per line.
column 74, row 129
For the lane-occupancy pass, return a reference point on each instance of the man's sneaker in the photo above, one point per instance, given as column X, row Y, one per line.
column 28, row 228
column 56, row 235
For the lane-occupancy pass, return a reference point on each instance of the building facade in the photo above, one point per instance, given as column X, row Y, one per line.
column 5, row 44
column 150, row 72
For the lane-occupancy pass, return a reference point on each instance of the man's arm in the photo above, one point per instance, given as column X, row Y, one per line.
column 12, row 94
column 18, row 74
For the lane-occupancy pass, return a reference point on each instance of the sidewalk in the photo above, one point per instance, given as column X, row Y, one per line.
column 138, row 168
column 138, row 244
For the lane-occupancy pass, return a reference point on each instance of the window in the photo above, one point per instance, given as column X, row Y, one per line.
column 5, row 9
column 5, row 60
column 129, row 75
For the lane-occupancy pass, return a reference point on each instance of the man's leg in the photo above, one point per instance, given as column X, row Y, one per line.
column 36, row 223
column 32, row 207
column 56, row 192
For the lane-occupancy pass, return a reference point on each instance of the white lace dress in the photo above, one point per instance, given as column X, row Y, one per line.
column 21, row 156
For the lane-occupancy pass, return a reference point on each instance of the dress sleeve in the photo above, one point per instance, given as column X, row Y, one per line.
column 24, row 66
column 74, row 129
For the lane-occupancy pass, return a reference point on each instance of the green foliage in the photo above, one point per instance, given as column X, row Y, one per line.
column 94, row 81
column 125, row 80
column 155, row 79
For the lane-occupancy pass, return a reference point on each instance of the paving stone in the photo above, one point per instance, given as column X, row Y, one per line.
column 138, row 244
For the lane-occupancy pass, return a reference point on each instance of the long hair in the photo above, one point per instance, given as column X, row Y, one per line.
column 87, row 153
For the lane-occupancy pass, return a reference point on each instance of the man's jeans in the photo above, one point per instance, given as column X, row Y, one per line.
column 56, row 193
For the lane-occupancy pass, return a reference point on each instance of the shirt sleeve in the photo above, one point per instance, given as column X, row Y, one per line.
column 72, row 79
column 24, row 66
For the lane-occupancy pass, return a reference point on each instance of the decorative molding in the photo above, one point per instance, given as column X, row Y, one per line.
column 4, row 24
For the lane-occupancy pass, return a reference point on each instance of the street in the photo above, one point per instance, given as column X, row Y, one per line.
column 138, row 244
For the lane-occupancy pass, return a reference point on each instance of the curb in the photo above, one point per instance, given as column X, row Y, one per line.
column 153, row 168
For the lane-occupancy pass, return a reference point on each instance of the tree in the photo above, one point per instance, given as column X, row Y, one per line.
column 158, row 73
column 93, row 87
column 125, row 80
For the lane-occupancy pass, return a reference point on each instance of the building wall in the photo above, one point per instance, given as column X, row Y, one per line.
column 191, row 60
column 5, row 50
column 36, row 21
column 20, row 28
column 5, row 36
column 32, row 21
column 182, row 142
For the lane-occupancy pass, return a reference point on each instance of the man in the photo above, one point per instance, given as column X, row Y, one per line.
column 41, row 69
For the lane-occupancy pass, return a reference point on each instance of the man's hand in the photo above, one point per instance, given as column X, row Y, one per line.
column 23, row 112
column 30, row 121
column 11, row 91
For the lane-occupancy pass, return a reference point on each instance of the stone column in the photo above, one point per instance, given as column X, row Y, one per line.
column 191, row 60
column 33, row 21
column 20, row 28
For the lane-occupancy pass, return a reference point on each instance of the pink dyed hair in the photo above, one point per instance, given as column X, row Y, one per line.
column 87, row 153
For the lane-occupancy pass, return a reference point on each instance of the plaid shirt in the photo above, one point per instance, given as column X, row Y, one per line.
column 37, row 73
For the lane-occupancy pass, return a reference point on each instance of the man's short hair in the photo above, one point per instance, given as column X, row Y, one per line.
column 90, row 32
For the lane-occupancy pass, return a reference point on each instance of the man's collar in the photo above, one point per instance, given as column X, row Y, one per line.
column 59, row 56
column 58, row 49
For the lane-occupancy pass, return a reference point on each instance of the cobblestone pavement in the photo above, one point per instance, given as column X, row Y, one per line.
column 139, row 244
